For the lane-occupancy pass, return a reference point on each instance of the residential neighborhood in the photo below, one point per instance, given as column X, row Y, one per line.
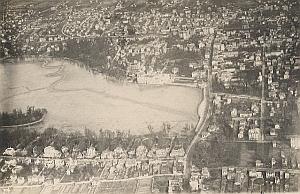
column 241, row 57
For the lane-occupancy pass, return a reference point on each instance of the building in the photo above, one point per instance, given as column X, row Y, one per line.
column 107, row 154
column 295, row 142
column 194, row 181
column 51, row 152
column 205, row 172
column 254, row 134
column 175, row 186
column 9, row 152
column 91, row 152
column 119, row 153
column 177, row 152
column 141, row 151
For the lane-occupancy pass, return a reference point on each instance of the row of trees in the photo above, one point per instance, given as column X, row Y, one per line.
column 18, row 117
column 34, row 142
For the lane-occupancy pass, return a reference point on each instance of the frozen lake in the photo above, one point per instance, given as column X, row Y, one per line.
column 76, row 99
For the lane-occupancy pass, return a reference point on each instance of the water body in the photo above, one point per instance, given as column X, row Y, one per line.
column 76, row 99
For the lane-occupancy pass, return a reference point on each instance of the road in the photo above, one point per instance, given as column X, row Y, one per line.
column 247, row 97
column 204, row 117
column 262, row 104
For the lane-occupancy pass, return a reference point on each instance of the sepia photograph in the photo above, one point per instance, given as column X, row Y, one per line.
column 149, row 96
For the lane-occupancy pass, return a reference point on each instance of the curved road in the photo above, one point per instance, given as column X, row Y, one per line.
column 204, row 117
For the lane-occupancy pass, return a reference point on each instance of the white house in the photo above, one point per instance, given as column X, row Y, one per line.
column 254, row 134
column 141, row 151
column 51, row 152
column 295, row 142
column 91, row 152
column 9, row 152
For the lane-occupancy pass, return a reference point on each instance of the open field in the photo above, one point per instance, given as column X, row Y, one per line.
column 75, row 98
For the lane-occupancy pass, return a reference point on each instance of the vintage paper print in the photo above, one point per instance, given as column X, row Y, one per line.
column 149, row 96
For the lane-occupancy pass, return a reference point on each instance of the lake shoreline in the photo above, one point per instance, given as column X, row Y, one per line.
column 154, row 110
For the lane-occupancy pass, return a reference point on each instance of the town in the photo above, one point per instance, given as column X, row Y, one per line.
column 243, row 55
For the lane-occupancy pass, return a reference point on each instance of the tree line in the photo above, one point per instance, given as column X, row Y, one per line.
column 18, row 116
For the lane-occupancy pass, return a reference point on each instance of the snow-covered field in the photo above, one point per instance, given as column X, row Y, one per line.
column 76, row 99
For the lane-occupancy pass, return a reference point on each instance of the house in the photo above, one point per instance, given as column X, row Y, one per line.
column 204, row 135
column 9, row 152
column 295, row 142
column 234, row 112
column 51, row 152
column 273, row 132
column 129, row 163
column 258, row 163
column 194, row 181
column 175, row 185
column 255, row 174
column 49, row 163
column 79, row 155
column 224, row 171
column 40, row 179
column 65, row 150
column 119, row 153
column 255, row 108
column 231, row 173
column 177, row 152
column 59, row 163
column 273, row 161
column 91, row 152
column 205, row 173
column 195, row 74
column 13, row 178
column 141, row 151
column 71, row 164
column 254, row 134
column 20, row 180
column 22, row 152
column 241, row 134
column 270, row 175
column 131, row 154
column 17, row 169
column 107, row 154
column 246, row 114
column 161, row 153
